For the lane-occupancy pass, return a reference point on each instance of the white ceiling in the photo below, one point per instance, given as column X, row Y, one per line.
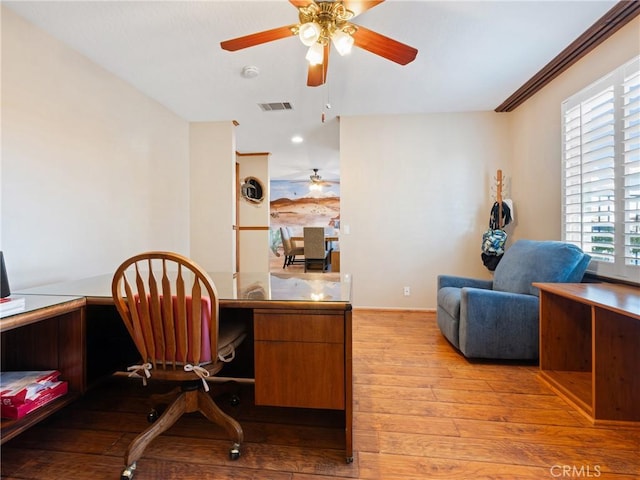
column 472, row 56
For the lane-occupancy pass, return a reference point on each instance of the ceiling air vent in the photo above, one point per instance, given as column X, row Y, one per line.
column 273, row 107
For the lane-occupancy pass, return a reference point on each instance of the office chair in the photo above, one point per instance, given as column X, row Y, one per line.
column 169, row 305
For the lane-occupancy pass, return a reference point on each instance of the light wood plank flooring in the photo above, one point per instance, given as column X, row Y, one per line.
column 422, row 411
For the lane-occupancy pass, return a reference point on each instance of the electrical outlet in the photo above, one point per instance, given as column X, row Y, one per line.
column 407, row 291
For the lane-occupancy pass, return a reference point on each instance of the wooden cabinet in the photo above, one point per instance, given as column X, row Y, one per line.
column 48, row 335
column 589, row 348
column 300, row 358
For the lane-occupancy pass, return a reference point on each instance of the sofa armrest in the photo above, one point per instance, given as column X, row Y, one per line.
column 461, row 282
column 495, row 324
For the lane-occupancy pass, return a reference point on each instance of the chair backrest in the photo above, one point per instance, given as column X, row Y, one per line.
column 528, row 261
column 314, row 243
column 169, row 306
column 286, row 240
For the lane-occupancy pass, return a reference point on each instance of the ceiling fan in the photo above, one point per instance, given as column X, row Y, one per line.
column 323, row 22
column 316, row 182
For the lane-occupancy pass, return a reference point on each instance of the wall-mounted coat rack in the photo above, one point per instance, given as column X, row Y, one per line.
column 503, row 217
column 499, row 186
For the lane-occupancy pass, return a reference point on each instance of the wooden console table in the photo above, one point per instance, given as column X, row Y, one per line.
column 590, row 348
column 49, row 334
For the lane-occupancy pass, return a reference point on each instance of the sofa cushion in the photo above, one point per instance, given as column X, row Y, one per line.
column 528, row 261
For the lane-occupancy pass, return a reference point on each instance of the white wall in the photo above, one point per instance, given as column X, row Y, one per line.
column 254, row 242
column 536, row 135
column 212, row 190
column 416, row 195
column 92, row 170
column 416, row 190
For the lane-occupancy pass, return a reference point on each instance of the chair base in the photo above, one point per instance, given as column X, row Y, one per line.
column 291, row 260
column 317, row 264
column 186, row 399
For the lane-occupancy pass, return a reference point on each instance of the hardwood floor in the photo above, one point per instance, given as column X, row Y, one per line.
column 422, row 411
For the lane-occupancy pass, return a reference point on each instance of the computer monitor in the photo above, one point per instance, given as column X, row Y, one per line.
column 4, row 280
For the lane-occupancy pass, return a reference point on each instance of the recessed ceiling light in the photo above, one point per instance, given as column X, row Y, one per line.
column 297, row 139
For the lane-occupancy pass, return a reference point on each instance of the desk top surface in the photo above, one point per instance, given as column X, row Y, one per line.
column 624, row 299
column 238, row 287
column 34, row 307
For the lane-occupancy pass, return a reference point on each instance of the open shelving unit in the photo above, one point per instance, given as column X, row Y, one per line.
column 589, row 351
column 48, row 335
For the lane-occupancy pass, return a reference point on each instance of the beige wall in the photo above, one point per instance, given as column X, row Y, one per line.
column 536, row 135
column 212, row 192
column 254, row 243
column 415, row 198
column 92, row 170
column 416, row 190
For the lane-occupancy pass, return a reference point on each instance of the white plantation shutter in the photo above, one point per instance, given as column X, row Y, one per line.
column 601, row 172
column 631, row 162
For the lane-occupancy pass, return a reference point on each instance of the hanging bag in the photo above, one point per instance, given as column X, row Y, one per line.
column 494, row 239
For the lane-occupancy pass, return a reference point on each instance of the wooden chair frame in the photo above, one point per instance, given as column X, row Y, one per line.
column 165, row 323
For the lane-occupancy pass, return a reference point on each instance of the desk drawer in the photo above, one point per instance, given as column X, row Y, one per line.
column 298, row 326
column 299, row 359
column 297, row 374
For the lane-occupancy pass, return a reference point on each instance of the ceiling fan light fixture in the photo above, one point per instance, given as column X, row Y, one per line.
column 342, row 41
column 309, row 33
column 315, row 54
column 315, row 180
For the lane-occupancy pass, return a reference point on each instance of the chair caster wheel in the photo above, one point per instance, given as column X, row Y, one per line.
column 349, row 459
column 127, row 473
column 234, row 452
column 152, row 416
column 234, row 401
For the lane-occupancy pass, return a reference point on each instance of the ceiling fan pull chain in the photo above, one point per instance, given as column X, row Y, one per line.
column 326, row 104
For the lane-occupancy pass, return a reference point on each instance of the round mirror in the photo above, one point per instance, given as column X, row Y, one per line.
column 252, row 190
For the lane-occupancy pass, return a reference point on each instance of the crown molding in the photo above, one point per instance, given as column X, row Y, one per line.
column 621, row 14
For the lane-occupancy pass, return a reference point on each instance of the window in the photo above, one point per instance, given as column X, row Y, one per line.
column 601, row 172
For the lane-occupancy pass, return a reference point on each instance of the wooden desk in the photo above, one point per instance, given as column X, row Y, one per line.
column 590, row 348
column 49, row 334
column 301, row 335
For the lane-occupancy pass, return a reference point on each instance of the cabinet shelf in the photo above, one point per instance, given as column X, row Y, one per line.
column 575, row 387
column 47, row 335
column 13, row 427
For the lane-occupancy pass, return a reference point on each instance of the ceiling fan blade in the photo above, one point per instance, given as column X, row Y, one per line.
column 360, row 6
column 384, row 46
column 318, row 73
column 257, row 38
column 300, row 3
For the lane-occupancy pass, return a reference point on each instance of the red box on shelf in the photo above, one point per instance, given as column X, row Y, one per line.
column 45, row 396
column 19, row 387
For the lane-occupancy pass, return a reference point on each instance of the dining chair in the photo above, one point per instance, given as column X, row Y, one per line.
column 316, row 254
column 169, row 306
column 291, row 250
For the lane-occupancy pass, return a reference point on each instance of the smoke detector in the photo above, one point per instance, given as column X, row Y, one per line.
column 250, row 71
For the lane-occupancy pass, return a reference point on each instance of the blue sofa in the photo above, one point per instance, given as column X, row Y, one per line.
column 498, row 319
